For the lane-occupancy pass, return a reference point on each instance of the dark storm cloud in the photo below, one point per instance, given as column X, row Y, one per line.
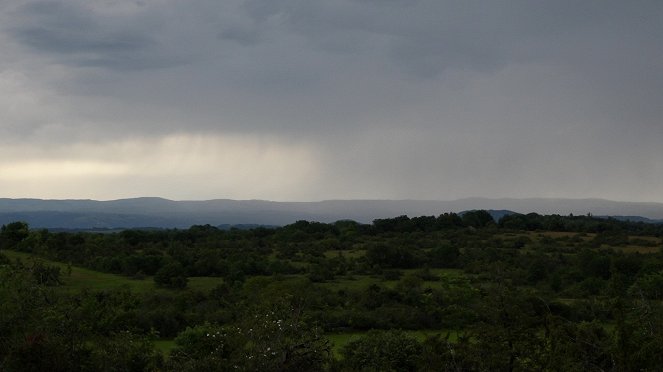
column 66, row 29
column 76, row 35
column 426, row 37
column 319, row 66
column 514, row 97
column 242, row 35
column 68, row 41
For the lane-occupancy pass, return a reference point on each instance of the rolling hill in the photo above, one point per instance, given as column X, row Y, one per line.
column 164, row 213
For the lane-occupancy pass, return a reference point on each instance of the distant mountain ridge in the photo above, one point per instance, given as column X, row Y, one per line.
column 633, row 219
column 164, row 213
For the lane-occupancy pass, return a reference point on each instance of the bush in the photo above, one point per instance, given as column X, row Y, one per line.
column 4, row 260
column 172, row 275
column 382, row 351
column 45, row 274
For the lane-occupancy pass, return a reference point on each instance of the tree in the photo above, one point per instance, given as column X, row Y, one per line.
column 125, row 351
column 390, row 256
column 507, row 336
column 391, row 350
column 649, row 286
column 477, row 219
column 275, row 338
column 12, row 234
column 171, row 275
column 449, row 221
column 444, row 256
column 45, row 274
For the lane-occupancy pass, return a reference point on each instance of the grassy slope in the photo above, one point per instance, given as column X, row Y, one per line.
column 358, row 282
column 82, row 278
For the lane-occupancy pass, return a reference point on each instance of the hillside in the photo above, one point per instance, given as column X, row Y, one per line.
column 164, row 213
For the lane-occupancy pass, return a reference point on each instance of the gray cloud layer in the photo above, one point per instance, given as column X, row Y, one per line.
column 395, row 98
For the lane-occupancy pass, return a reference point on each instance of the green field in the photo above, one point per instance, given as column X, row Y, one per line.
column 81, row 278
column 360, row 282
column 164, row 346
column 438, row 293
column 355, row 253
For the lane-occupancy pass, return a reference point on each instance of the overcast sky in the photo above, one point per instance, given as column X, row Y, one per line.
column 336, row 99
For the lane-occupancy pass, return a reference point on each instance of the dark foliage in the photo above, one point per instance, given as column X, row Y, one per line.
column 529, row 292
